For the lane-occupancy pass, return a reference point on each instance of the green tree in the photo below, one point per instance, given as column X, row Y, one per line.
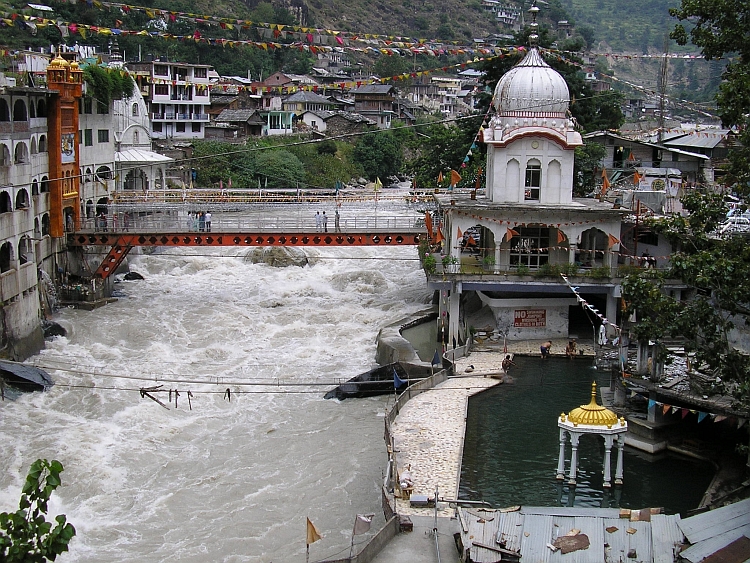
column 719, row 271
column 281, row 169
column 587, row 159
column 719, row 28
column 443, row 147
column 379, row 154
column 25, row 535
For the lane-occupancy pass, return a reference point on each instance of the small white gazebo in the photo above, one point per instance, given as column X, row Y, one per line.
column 592, row 419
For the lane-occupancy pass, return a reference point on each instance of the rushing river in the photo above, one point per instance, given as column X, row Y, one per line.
column 234, row 478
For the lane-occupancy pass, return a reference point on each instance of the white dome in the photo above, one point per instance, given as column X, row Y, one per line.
column 532, row 86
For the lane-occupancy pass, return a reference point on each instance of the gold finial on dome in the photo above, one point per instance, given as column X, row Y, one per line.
column 593, row 414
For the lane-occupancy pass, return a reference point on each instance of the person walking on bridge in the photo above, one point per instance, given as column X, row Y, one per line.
column 318, row 221
column 208, row 221
column 325, row 222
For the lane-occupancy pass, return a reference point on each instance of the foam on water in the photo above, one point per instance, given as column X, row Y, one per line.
column 227, row 480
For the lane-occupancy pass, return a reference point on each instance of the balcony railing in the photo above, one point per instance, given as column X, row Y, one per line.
column 200, row 116
column 183, row 116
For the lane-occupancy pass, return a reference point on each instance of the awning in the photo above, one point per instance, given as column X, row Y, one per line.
column 141, row 156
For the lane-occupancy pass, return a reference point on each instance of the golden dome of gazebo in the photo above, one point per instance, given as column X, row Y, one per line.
column 593, row 414
column 58, row 63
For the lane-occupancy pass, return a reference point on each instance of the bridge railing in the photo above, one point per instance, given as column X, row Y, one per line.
column 174, row 222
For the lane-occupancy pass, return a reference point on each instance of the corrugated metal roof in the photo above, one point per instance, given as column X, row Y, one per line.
column 531, row 530
column 717, row 521
column 698, row 552
column 666, row 537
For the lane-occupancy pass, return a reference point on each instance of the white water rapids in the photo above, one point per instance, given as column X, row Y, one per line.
column 228, row 480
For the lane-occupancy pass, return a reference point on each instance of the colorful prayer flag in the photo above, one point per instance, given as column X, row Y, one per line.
column 455, row 177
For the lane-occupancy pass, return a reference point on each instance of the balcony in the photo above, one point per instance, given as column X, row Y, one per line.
column 183, row 117
column 200, row 117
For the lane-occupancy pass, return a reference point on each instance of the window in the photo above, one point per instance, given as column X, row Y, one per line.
column 19, row 111
column 531, row 247
column 196, row 127
column 161, row 70
column 102, row 135
column 180, row 127
column 101, row 108
column 161, row 90
column 201, row 72
column 157, row 127
column 88, row 138
column 533, row 181
column 87, row 105
column 80, row 136
column 135, row 110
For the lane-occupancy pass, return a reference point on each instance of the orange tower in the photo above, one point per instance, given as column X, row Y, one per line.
column 66, row 79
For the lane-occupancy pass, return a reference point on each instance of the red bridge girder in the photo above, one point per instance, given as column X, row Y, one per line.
column 121, row 243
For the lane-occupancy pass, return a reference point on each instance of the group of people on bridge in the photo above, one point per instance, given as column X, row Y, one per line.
column 199, row 221
column 321, row 222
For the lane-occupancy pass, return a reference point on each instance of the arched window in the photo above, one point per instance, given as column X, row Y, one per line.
column 33, row 145
column 4, row 155
column 6, row 256
column 45, row 224
column 4, row 110
column 22, row 199
column 135, row 137
column 103, row 173
column 135, row 110
column 41, row 108
column 533, row 182
column 21, row 154
column 42, row 143
column 5, row 206
column 25, row 250
column 45, row 184
column 19, row 111
column 34, row 188
column 36, row 226
column 89, row 177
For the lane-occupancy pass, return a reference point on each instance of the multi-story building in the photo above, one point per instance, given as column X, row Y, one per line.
column 178, row 96
column 375, row 101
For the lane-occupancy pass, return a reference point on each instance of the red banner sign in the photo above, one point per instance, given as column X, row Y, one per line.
column 530, row 318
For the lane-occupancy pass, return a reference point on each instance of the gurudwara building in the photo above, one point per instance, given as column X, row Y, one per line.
column 529, row 226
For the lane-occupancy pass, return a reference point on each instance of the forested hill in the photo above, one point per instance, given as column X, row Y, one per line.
column 606, row 25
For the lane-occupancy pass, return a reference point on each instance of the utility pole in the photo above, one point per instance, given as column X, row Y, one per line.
column 663, row 87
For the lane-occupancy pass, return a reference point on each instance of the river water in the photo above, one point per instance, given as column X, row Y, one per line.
column 234, row 478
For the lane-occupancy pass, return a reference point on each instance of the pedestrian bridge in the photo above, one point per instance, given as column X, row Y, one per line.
column 122, row 226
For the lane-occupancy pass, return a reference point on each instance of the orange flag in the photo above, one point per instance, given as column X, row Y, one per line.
column 439, row 236
column 613, row 240
column 511, row 233
column 636, row 178
column 459, row 234
column 440, row 177
column 605, row 181
column 560, row 237
column 428, row 224
column 313, row 534
column 455, row 177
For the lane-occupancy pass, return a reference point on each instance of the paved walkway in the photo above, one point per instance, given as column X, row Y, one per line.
column 429, row 433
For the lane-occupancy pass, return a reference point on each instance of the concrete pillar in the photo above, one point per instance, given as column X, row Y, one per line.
column 574, row 437
column 620, row 448
column 453, row 314
column 608, row 440
column 561, row 459
column 611, row 311
column 572, row 253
